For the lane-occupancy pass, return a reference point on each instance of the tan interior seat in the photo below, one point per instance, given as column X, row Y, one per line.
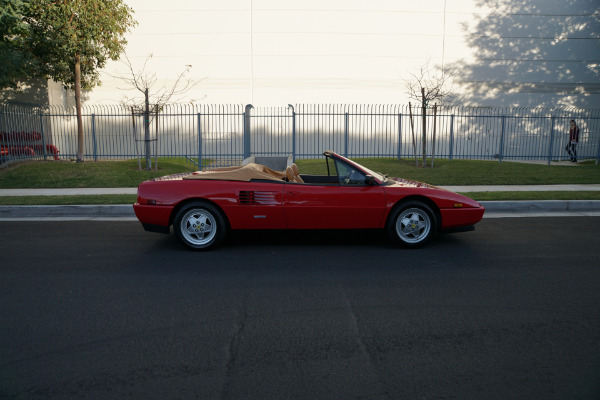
column 296, row 172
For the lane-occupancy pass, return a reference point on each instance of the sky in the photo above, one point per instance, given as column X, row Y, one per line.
column 269, row 52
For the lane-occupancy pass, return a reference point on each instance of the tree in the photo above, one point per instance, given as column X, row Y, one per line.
column 74, row 39
column 17, row 63
column 146, row 83
column 426, row 86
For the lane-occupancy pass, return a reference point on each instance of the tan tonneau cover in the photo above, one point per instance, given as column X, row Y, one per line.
column 246, row 172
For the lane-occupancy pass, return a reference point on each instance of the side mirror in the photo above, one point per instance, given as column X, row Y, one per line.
column 369, row 180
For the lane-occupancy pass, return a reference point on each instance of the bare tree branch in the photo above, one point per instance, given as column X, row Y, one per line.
column 142, row 80
column 435, row 81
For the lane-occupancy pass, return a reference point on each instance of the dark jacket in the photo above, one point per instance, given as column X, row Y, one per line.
column 574, row 134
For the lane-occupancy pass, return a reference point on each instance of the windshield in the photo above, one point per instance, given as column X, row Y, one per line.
column 377, row 175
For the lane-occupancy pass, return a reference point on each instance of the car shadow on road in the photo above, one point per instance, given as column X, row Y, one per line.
column 373, row 239
column 319, row 238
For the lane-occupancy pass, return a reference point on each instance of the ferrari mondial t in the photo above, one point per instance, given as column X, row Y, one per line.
column 203, row 206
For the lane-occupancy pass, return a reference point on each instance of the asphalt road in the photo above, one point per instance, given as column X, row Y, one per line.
column 104, row 310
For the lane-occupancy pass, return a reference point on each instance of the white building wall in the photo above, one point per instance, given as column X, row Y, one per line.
column 276, row 52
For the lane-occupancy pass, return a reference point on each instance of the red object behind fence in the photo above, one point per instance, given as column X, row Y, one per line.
column 23, row 147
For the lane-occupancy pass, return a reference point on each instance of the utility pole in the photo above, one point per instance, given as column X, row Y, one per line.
column 424, row 116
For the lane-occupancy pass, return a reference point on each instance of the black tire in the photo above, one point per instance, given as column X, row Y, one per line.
column 200, row 225
column 412, row 224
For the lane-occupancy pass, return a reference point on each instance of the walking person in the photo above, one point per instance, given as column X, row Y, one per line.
column 573, row 140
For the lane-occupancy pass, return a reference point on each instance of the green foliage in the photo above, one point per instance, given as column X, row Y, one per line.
column 92, row 31
column 17, row 62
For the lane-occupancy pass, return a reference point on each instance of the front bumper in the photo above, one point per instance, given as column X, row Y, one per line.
column 158, row 218
column 453, row 218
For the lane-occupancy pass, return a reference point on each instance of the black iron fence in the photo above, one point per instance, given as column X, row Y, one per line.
column 219, row 135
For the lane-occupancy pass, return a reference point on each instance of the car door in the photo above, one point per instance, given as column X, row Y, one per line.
column 352, row 203
column 253, row 205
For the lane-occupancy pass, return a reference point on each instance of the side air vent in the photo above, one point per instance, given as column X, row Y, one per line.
column 247, row 197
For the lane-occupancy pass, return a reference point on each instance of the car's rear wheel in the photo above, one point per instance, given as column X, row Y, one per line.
column 200, row 225
column 412, row 224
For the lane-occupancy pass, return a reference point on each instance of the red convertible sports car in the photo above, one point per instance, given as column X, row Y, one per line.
column 204, row 206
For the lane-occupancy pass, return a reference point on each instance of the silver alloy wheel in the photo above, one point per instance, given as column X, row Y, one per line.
column 413, row 225
column 198, row 226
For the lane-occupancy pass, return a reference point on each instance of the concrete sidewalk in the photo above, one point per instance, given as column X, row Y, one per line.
column 66, row 191
column 524, row 188
column 461, row 189
column 494, row 209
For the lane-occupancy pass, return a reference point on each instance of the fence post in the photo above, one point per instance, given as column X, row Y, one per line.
column 293, row 132
column 451, row 137
column 94, row 137
column 2, row 139
column 247, row 130
column 551, row 139
column 346, row 134
column 598, row 153
column 503, row 118
column 399, row 136
column 200, row 141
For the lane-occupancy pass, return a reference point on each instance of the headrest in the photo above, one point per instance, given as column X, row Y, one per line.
column 290, row 173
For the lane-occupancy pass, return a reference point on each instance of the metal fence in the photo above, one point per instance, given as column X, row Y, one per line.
column 220, row 135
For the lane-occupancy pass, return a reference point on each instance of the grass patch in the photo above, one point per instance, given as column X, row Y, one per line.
column 65, row 174
column 472, row 172
column 62, row 174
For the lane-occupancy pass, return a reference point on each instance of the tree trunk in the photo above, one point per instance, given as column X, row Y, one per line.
column 147, row 132
column 80, row 143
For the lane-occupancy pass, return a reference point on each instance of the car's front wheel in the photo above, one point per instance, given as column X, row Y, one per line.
column 411, row 225
column 200, row 225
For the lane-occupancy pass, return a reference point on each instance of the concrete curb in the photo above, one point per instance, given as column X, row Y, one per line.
column 71, row 211
column 542, row 206
column 126, row 210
